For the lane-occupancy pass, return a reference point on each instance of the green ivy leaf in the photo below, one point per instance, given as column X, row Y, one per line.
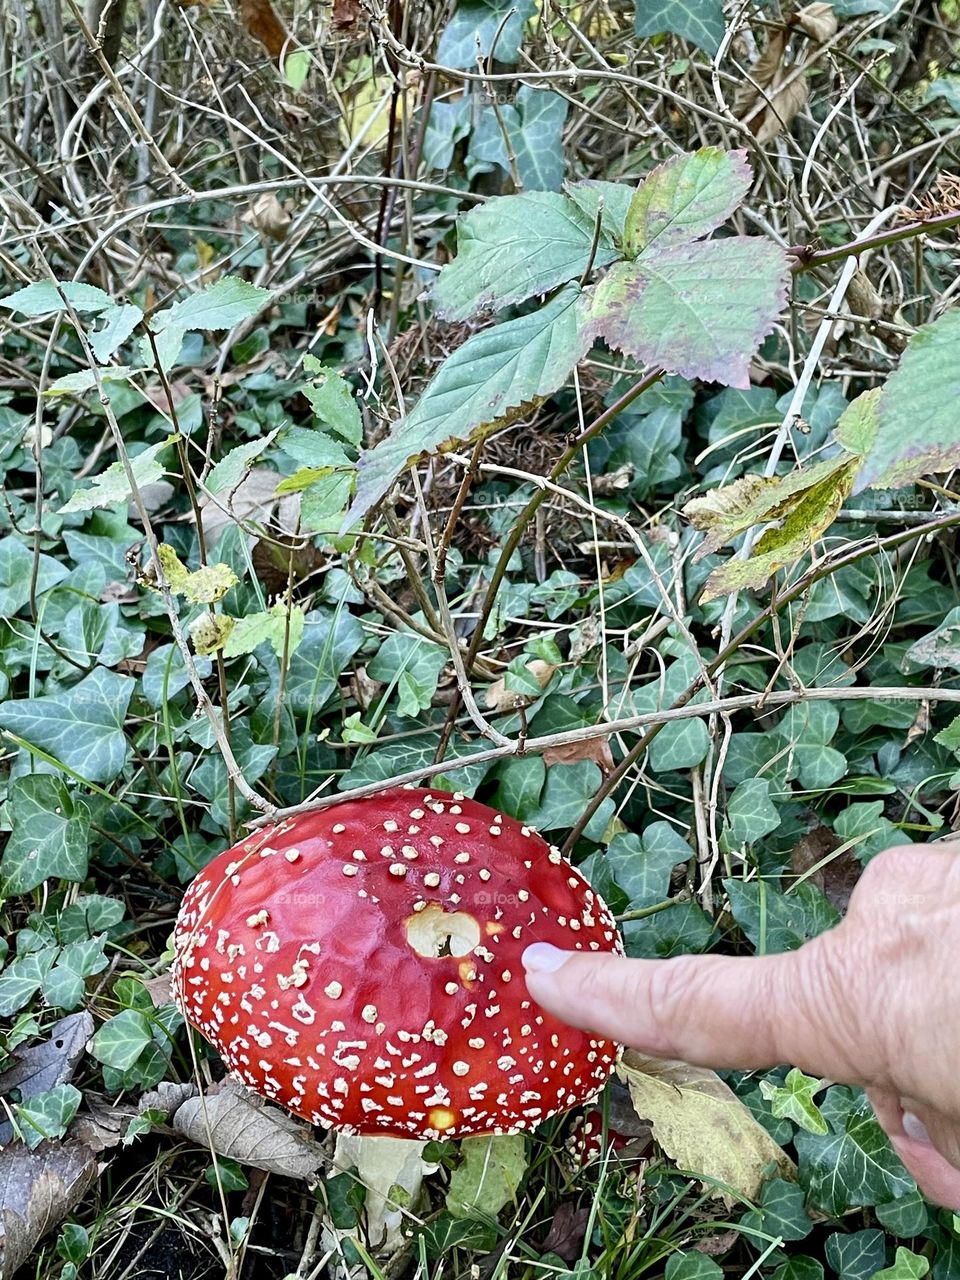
column 793, row 1100
column 218, row 306
column 82, row 726
column 491, row 375
column 330, row 639
column 47, row 1114
column 475, row 25
column 691, row 1266
column 489, row 1176
column 568, row 789
column 685, row 198
column 700, row 310
column 857, row 1256
column 751, row 813
column 16, row 568
column 906, row 1266
column 906, row 1216
column 512, row 248
column 122, row 1039
column 917, row 426
column 112, row 487
column 775, row 921
column 642, row 865
column 520, row 787
column 49, row 836
column 414, row 665
column 781, row 1212
column 699, row 21
column 21, row 979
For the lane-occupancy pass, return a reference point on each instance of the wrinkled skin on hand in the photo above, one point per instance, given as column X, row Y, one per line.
column 873, row 1002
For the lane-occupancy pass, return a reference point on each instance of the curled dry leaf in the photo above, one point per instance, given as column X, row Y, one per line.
column 818, row 21
column 268, row 216
column 38, row 1189
column 158, row 989
column 103, row 1122
column 595, row 749
column 254, row 499
column 814, row 856
column 773, row 92
column 499, row 698
column 702, row 1125
column 238, row 1124
column 261, row 21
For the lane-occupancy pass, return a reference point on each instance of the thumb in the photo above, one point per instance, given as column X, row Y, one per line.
column 714, row 1011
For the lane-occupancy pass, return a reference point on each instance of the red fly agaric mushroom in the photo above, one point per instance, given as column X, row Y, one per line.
column 360, row 965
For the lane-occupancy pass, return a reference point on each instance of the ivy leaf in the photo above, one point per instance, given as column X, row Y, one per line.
column 793, row 1100
column 258, row 628
column 205, row 585
column 685, row 198
column 775, row 921
column 857, row 1256
column 780, row 1212
column 47, row 1114
column 691, row 1266
column 475, row 25
column 520, row 786
column 16, row 567
column 219, row 306
column 906, row 1216
column 917, row 426
column 49, row 836
column 513, row 247
column 122, row 1039
column 82, row 726
column 111, row 486
column 751, row 814
column 568, row 789
column 43, row 298
column 700, row 310
column 854, row 1165
column 488, row 1177
column 21, row 979
column 906, row 1266
column 492, row 374
column 699, row 21
column 642, row 866
column 329, row 642
column 414, row 665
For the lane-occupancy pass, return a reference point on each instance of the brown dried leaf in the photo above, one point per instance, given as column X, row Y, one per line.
column 569, row 1226
column 38, row 1189
column 255, row 499
column 38, row 1067
column 783, row 106
column 761, row 75
column 158, row 989
column 595, row 749
column 237, row 1123
column 862, row 297
column 818, row 21
column 701, row 1124
column 103, row 1123
column 268, row 216
column 499, row 698
column 837, row 876
column 261, row 21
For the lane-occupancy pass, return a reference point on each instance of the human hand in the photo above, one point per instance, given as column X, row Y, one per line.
column 873, row 1002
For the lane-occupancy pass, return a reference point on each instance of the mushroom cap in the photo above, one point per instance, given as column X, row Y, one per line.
column 360, row 965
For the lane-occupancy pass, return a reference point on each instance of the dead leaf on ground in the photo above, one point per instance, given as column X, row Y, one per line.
column 837, row 877
column 103, row 1122
column 42, row 1066
column 242, row 1126
column 166, row 1097
column 596, row 750
column 261, row 21
column 702, row 1125
column 818, row 21
column 38, row 1189
column 255, row 499
column 773, row 92
column 158, row 989
column 565, row 1237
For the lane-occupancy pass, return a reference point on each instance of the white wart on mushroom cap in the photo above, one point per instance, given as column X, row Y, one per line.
column 361, row 966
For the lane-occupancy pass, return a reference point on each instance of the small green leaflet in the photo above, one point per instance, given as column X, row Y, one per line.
column 906, row 1266
column 74, row 384
column 205, row 585
column 699, row 21
column 119, row 322
column 111, row 486
column 494, row 373
column 219, row 306
column 332, row 400
column 918, row 430
column 258, row 628
column 686, row 198
column 82, row 726
column 43, row 298
column 489, row 1176
column 232, row 468
column 49, row 836
column 793, row 1100
column 47, row 1114
column 414, row 665
column 514, row 247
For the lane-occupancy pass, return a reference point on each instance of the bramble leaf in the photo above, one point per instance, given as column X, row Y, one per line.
column 219, row 306
column 111, row 486
column 686, row 198
column 257, row 628
column 494, row 373
column 43, row 298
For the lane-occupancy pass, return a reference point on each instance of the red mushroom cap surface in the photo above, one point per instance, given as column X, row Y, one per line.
column 361, row 966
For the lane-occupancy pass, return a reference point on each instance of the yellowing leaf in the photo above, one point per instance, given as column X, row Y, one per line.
column 489, row 1176
column 702, row 1125
column 210, row 632
column 202, row 586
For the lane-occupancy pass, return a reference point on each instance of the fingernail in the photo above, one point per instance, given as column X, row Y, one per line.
column 541, row 957
column 914, row 1127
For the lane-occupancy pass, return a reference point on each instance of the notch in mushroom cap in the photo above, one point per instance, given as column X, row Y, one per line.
column 361, row 966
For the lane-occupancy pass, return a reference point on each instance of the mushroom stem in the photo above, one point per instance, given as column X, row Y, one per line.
column 383, row 1165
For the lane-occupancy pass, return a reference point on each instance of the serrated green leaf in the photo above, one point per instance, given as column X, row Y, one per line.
column 699, row 21
column 333, row 400
column 119, row 323
column 492, row 374
column 794, row 1100
column 81, row 726
column 111, row 486
column 218, row 306
column 700, row 310
column 43, row 298
column 918, row 430
column 122, row 1039
column 258, row 628
column 685, row 198
column 950, row 736
column 72, row 384
column 231, row 469
column 856, row 429
column 164, row 351
column 205, row 585
column 488, row 1177
column 512, row 248
column 49, row 835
